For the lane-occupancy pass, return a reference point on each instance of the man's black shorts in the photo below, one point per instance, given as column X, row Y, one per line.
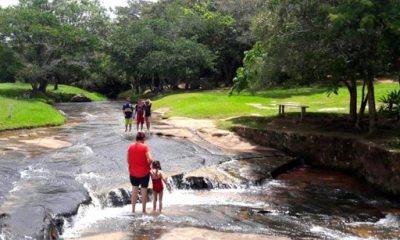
column 142, row 181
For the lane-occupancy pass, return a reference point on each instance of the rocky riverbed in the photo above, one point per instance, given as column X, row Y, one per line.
column 71, row 182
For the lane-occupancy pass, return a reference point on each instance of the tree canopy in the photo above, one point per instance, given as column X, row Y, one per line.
column 335, row 42
column 153, row 46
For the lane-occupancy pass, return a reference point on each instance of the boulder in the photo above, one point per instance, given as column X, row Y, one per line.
column 121, row 197
column 80, row 98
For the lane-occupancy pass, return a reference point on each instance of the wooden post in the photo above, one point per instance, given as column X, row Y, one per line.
column 303, row 112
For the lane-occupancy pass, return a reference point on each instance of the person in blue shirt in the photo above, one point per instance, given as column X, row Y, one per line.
column 127, row 110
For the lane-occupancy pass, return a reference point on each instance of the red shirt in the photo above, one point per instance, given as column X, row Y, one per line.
column 137, row 160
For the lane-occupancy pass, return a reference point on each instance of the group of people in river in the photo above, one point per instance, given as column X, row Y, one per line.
column 141, row 166
column 141, row 112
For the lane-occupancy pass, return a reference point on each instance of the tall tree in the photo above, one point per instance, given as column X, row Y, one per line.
column 332, row 41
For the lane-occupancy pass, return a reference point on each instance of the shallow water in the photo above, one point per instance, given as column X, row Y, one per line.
column 303, row 204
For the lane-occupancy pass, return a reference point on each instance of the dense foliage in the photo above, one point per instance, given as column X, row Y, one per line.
column 153, row 46
column 339, row 42
column 144, row 46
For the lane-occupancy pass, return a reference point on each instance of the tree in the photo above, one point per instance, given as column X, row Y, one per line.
column 332, row 41
column 156, row 50
column 9, row 64
column 43, row 43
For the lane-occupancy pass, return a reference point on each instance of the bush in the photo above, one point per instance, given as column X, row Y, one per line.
column 391, row 103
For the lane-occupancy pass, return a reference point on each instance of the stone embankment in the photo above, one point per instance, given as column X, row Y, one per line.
column 378, row 165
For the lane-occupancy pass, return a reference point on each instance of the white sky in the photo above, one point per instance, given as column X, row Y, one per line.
column 106, row 3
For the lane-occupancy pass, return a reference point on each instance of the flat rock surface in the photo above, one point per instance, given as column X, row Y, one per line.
column 48, row 142
column 108, row 236
column 204, row 234
column 188, row 128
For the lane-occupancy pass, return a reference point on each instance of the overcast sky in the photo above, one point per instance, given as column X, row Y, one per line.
column 106, row 3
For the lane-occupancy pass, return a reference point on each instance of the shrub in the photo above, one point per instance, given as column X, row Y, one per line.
column 391, row 102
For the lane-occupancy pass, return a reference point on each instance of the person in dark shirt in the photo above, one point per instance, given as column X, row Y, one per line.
column 147, row 113
column 139, row 109
column 127, row 110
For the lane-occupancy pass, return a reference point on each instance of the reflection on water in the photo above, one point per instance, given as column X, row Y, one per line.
column 303, row 204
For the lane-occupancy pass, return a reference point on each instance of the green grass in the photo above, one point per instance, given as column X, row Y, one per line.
column 19, row 110
column 27, row 113
column 20, row 89
column 218, row 105
column 75, row 90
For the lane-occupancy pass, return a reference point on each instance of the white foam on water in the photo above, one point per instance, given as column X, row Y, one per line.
column 90, row 175
column 335, row 234
column 33, row 172
column 88, row 116
column 15, row 188
column 89, row 215
column 193, row 198
column 81, row 149
column 390, row 220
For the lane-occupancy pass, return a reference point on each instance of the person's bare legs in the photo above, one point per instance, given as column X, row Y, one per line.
column 141, row 126
column 155, row 195
column 160, row 196
column 135, row 191
column 144, row 199
column 137, row 126
column 130, row 128
column 148, row 123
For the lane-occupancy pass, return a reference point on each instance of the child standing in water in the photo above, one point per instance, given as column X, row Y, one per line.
column 158, row 187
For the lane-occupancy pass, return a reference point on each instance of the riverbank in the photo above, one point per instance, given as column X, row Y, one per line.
column 325, row 139
column 19, row 108
column 240, row 198
column 365, row 157
column 217, row 104
column 373, row 158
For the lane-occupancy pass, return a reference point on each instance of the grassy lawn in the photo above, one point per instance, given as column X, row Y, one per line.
column 20, row 89
column 18, row 110
column 76, row 90
column 27, row 113
column 218, row 105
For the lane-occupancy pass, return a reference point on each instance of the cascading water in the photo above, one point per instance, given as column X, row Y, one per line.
column 85, row 189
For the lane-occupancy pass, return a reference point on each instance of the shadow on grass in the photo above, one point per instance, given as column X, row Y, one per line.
column 314, row 120
column 282, row 93
column 15, row 93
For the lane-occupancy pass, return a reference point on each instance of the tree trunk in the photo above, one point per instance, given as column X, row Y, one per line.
column 152, row 88
column 352, row 88
column 43, row 86
column 137, row 88
column 364, row 100
column 227, row 73
column 55, row 83
column 371, row 103
column 35, row 87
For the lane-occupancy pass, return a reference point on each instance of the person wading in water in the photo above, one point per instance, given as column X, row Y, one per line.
column 147, row 113
column 127, row 110
column 139, row 162
column 139, row 109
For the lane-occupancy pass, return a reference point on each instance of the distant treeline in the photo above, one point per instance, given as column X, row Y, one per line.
column 144, row 46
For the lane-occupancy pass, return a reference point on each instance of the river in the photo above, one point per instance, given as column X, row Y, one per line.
column 70, row 187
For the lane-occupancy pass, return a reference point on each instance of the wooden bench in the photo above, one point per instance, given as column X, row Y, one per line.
column 292, row 105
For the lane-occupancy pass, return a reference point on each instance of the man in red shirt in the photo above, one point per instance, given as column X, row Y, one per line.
column 139, row 161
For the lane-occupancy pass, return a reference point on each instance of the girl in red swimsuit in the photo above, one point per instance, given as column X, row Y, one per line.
column 158, row 188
